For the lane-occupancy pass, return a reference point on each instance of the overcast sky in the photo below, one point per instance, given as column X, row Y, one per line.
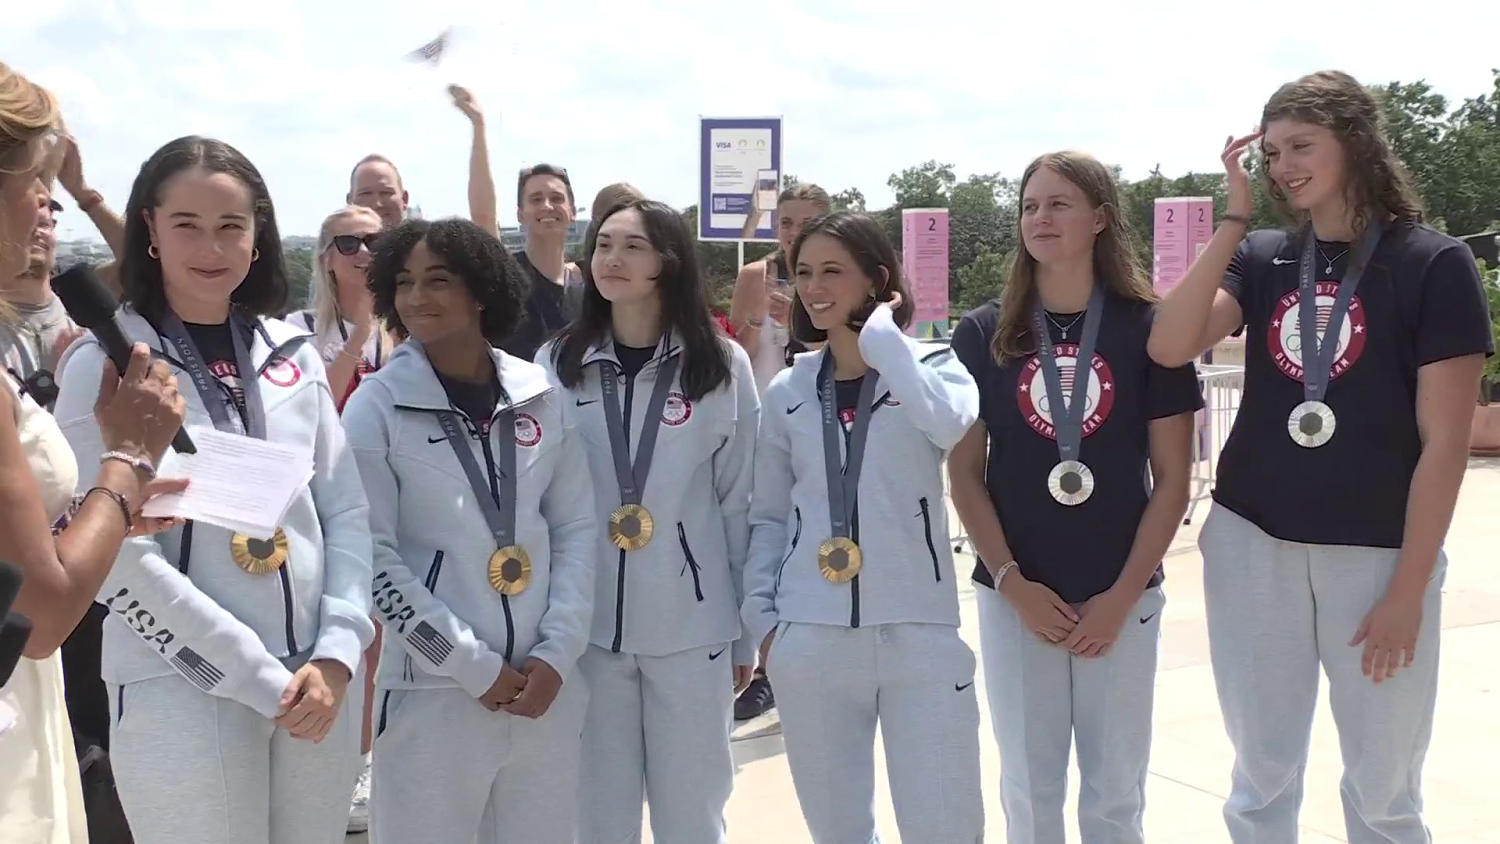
column 613, row 90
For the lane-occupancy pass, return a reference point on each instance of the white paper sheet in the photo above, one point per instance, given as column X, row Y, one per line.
column 238, row 483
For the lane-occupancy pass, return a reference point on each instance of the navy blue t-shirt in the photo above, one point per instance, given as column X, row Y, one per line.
column 1076, row 551
column 1420, row 301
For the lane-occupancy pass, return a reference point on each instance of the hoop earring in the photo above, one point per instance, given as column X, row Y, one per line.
column 151, row 250
column 254, row 255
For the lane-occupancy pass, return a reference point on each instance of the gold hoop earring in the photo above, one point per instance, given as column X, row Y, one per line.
column 254, row 255
column 151, row 250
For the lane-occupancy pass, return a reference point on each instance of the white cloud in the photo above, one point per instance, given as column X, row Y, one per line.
column 613, row 90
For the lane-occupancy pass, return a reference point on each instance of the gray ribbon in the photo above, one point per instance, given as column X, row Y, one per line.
column 632, row 478
column 216, row 397
column 500, row 518
column 1318, row 357
column 843, row 477
column 1067, row 418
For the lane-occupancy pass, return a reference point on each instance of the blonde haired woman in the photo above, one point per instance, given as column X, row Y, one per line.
column 41, row 801
column 342, row 318
column 353, row 344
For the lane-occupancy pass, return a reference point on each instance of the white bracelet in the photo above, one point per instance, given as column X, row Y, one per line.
column 140, row 464
column 1004, row 570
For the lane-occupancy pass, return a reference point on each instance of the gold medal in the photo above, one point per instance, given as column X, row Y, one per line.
column 259, row 556
column 630, row 527
column 510, row 570
column 839, row 559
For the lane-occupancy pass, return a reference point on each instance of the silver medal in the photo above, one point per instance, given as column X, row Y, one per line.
column 1071, row 483
column 1311, row 424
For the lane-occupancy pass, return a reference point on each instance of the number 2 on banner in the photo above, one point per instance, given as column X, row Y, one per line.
column 932, row 224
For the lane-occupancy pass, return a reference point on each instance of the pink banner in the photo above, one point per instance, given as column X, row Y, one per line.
column 1181, row 231
column 924, row 259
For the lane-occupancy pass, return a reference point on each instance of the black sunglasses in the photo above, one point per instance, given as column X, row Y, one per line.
column 348, row 244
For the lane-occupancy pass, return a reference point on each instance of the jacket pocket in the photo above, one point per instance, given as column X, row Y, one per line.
column 690, row 563
column 937, row 573
column 796, row 537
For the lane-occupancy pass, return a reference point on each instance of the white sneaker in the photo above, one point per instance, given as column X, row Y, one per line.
column 359, row 807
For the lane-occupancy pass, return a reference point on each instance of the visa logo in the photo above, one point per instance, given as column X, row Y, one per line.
column 722, row 145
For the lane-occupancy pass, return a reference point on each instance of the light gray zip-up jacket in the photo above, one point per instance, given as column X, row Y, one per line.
column 178, row 602
column 925, row 403
column 445, row 625
column 684, row 589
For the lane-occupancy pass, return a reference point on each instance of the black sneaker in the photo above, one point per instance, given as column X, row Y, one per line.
column 756, row 700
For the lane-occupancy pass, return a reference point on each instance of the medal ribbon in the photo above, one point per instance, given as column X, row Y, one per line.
column 632, row 478
column 843, row 477
column 1318, row 357
column 216, row 397
column 500, row 518
column 1067, row 419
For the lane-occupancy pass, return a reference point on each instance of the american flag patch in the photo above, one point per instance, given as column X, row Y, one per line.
column 430, row 643
column 199, row 671
column 432, row 51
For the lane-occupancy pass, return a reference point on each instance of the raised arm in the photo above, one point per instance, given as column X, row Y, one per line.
column 110, row 225
column 482, row 204
column 748, row 306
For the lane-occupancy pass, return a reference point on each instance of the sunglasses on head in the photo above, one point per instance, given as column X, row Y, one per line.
column 348, row 244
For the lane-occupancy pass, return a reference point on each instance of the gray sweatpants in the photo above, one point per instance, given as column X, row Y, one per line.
column 917, row 680
column 1043, row 699
column 658, row 726
column 192, row 768
column 445, row 769
column 1276, row 612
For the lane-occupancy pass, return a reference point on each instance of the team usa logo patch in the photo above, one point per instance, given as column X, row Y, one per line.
column 1284, row 337
column 1031, row 391
column 282, row 372
column 677, row 410
column 528, row 430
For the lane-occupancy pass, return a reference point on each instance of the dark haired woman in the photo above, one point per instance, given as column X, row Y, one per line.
column 850, row 569
column 1048, row 485
column 668, row 417
column 1367, row 332
column 228, row 658
column 484, row 541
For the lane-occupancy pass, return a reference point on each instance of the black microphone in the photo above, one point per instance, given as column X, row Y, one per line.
column 90, row 304
column 13, row 635
column 14, row 629
column 10, row 585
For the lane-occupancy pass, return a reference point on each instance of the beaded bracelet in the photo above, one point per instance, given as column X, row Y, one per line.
column 140, row 464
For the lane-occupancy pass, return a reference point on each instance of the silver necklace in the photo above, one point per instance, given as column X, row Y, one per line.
column 1063, row 328
column 1329, row 269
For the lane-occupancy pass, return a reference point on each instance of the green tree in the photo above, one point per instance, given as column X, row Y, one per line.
column 850, row 199
column 299, row 277
column 979, row 282
column 927, row 185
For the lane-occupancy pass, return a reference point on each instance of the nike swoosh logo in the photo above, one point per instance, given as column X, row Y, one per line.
column 1148, row 618
column 791, row 410
column 958, row 688
column 712, row 657
column 437, row 439
column 581, row 402
column 1283, row 261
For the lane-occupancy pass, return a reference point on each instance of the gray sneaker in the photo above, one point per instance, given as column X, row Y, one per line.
column 359, row 807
